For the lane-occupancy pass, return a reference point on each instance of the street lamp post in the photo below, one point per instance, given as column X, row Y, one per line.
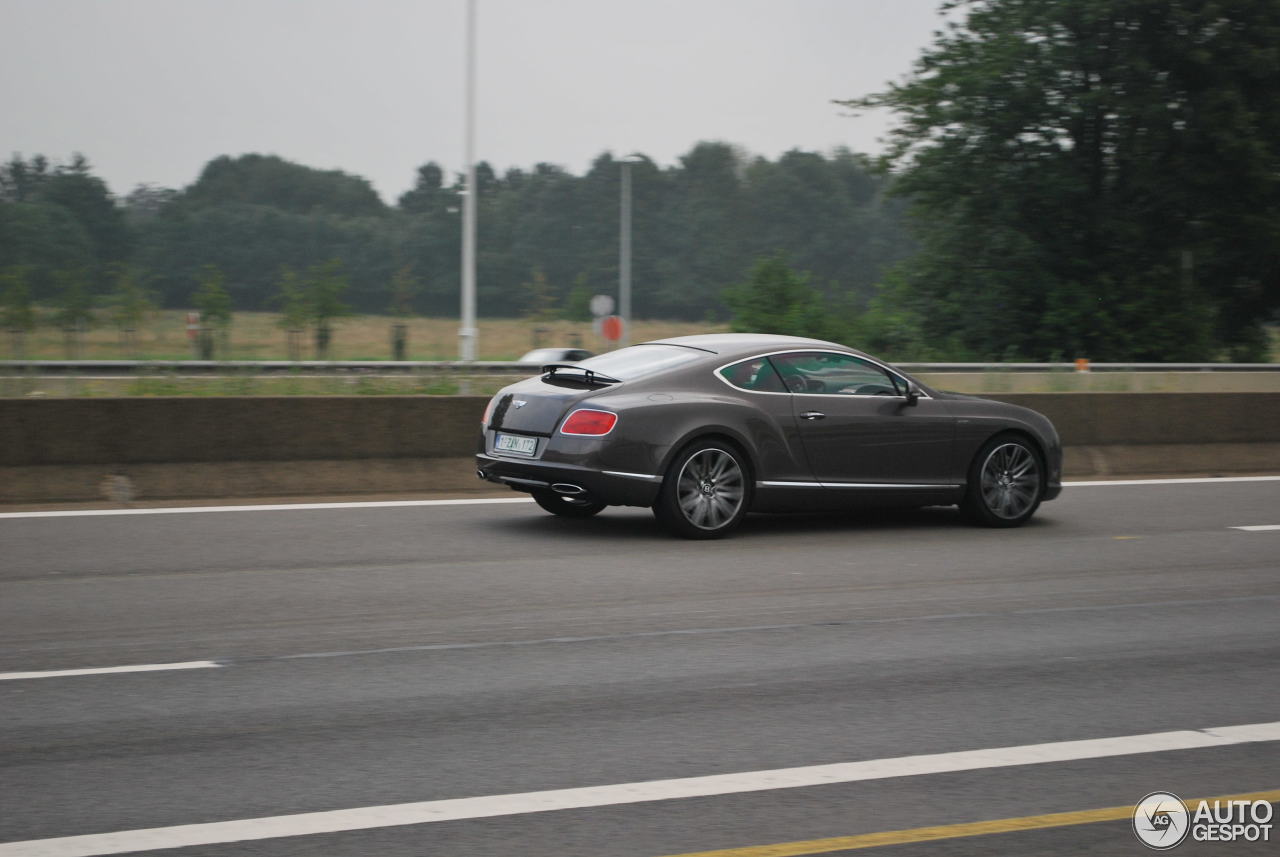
column 467, row 331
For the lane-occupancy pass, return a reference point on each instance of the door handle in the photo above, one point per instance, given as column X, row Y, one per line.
column 812, row 415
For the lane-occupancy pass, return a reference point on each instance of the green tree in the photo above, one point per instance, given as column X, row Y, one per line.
column 577, row 304
column 272, row 181
column 707, row 210
column 17, row 314
column 147, row 201
column 42, row 238
column 1094, row 177
column 539, row 299
column 214, row 303
column 428, row 194
column 251, row 242
column 131, row 304
column 56, row 218
column 22, row 180
column 829, row 215
column 404, row 288
column 325, row 284
column 73, row 309
column 891, row 325
column 86, row 197
column 776, row 299
column 295, row 310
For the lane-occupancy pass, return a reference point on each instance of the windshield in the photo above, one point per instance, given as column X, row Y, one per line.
column 639, row 361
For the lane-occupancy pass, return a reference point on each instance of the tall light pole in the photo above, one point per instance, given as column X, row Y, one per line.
column 624, row 250
column 467, row 332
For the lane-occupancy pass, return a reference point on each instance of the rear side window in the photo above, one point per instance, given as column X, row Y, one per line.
column 756, row 375
column 638, row 361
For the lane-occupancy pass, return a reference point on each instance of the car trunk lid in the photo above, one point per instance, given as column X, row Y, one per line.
column 530, row 410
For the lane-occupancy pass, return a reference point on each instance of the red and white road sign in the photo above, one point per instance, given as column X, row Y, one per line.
column 612, row 327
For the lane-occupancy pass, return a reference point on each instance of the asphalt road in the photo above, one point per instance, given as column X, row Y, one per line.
column 366, row 657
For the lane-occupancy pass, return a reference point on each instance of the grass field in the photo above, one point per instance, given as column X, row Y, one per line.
column 257, row 336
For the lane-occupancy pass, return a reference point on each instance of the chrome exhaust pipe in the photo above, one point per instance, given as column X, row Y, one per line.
column 568, row 490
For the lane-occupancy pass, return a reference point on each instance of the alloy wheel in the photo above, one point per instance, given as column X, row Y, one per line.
column 710, row 489
column 1010, row 481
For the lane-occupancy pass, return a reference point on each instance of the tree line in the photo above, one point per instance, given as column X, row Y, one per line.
column 548, row 239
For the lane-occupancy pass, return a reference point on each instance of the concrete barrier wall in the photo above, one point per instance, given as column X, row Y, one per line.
column 249, row 428
column 1107, row 435
column 70, row 449
column 1085, row 419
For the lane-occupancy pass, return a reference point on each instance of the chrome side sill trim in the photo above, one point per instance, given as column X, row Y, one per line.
column 930, row 487
column 629, row 475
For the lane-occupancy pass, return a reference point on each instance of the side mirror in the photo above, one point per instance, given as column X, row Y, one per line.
column 913, row 393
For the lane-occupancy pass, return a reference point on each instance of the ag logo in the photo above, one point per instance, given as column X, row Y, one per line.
column 1161, row 820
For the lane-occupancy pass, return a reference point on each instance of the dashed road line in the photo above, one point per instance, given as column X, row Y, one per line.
column 133, row 668
column 265, row 507
column 1145, row 606
column 1197, row 480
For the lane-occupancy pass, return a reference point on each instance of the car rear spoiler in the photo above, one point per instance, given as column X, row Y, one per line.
column 588, row 376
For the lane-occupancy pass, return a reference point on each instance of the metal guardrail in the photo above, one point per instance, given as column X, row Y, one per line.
column 124, row 368
column 1093, row 367
column 501, row 367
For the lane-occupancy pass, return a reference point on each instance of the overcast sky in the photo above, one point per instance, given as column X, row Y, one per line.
column 150, row 90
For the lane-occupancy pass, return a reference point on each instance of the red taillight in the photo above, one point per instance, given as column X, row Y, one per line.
column 589, row 422
column 488, row 412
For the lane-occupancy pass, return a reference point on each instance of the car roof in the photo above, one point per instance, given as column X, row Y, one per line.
column 555, row 349
column 732, row 345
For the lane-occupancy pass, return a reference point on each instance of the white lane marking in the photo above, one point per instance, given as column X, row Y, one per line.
column 274, row 507
column 1189, row 481
column 1145, row 606
column 394, row 815
column 135, row 668
column 1259, row 528
column 489, row 501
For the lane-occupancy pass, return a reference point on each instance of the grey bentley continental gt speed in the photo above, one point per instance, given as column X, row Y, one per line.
column 704, row 429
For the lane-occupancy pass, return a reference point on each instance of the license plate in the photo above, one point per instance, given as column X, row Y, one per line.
column 515, row 444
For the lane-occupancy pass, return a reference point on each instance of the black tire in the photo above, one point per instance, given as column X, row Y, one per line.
column 567, row 507
column 706, row 492
column 1006, row 483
